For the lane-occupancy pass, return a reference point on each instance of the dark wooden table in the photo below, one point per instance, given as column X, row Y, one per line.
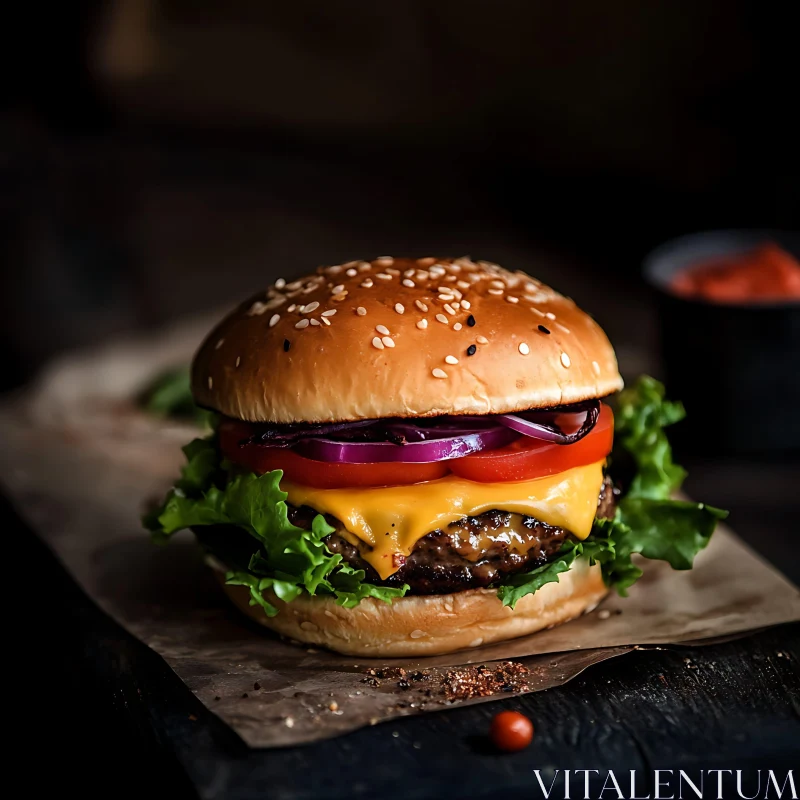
column 102, row 715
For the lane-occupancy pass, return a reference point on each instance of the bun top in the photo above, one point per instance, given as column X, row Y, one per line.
column 399, row 337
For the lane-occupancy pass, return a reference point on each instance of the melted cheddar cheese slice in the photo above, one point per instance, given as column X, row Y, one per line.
column 392, row 519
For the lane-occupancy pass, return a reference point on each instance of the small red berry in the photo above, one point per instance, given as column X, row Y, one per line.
column 511, row 731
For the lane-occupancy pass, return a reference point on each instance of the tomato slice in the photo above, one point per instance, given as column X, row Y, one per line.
column 527, row 458
column 320, row 474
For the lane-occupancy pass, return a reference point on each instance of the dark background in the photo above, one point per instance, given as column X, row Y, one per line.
column 164, row 157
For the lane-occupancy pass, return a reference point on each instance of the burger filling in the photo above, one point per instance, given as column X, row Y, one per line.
column 471, row 553
column 512, row 517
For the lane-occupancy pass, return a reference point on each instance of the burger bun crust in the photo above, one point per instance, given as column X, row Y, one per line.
column 402, row 338
column 426, row 625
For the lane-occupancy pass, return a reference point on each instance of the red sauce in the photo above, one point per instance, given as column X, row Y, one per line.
column 765, row 273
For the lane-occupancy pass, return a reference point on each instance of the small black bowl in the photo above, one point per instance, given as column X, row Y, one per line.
column 735, row 366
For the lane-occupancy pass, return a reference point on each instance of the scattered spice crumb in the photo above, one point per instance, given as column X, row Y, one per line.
column 256, row 685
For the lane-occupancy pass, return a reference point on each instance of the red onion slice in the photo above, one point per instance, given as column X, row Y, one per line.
column 421, row 452
column 544, row 424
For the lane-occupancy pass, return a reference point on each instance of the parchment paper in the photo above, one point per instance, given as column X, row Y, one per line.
column 84, row 497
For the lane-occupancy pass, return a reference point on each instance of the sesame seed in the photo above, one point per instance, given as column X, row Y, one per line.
column 363, row 266
column 294, row 285
column 465, row 304
column 286, row 345
column 512, row 299
column 315, row 323
column 457, row 294
column 301, row 309
column 351, row 273
column 420, row 305
column 422, row 275
column 382, row 329
column 456, row 305
column 329, row 313
column 496, row 292
column 438, row 373
column 388, row 341
column 376, row 342
column 470, row 320
column 463, row 285
column 292, row 307
column 457, row 326
column 562, row 327
column 471, row 350
column 257, row 308
column 384, row 261
column 238, row 360
column 550, row 315
column 337, row 289
column 310, row 288
column 436, row 271
column 596, row 367
column 210, row 382
column 449, row 309
column 333, row 270
column 383, row 276
column 450, row 278
column 325, row 320
column 539, row 313
column 302, row 324
column 543, row 329
column 442, row 318
column 273, row 321
column 451, row 359
column 524, row 349
column 392, row 271
column 498, row 284
column 409, row 272
column 309, row 308
column 426, row 262
column 422, row 324
column 280, row 283
column 408, row 282
column 337, row 298
column 399, row 308
column 219, row 343
column 565, row 360
column 361, row 311
column 454, row 267
column 367, row 284
column 481, row 340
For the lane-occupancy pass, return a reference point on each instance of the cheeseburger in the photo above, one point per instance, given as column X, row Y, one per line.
column 415, row 456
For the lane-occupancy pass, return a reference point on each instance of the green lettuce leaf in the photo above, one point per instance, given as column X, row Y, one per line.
column 288, row 560
column 647, row 521
column 517, row 586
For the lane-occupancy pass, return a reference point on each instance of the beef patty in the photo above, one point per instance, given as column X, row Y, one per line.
column 470, row 553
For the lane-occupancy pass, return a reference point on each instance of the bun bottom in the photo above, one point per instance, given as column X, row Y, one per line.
column 426, row 625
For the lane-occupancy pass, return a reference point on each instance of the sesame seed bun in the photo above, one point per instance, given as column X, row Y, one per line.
column 427, row 625
column 403, row 337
